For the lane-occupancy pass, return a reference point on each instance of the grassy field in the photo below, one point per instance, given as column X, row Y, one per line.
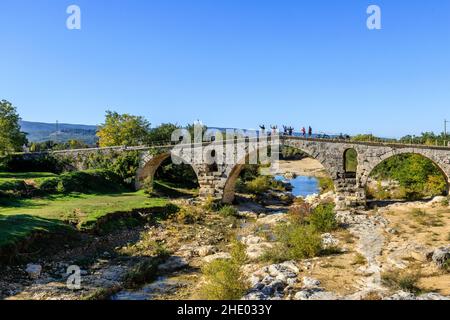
column 25, row 175
column 18, row 219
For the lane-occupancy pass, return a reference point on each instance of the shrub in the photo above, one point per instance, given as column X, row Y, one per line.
column 359, row 259
column 323, row 218
column 299, row 212
column 143, row 272
column 326, row 184
column 446, row 265
column 88, row 181
column 211, row 204
column 297, row 242
column 224, row 279
column 402, row 280
column 43, row 163
column 189, row 215
column 259, row 185
column 228, row 211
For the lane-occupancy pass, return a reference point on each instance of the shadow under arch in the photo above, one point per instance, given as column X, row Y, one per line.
column 389, row 155
column 149, row 169
column 232, row 176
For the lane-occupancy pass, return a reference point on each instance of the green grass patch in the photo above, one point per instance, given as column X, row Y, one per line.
column 25, row 175
column 82, row 210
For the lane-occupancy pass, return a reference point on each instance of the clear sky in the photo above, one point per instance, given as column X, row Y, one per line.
column 231, row 63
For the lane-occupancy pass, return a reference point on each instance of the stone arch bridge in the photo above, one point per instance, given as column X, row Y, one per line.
column 218, row 180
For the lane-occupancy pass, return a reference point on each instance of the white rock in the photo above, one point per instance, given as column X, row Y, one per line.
column 440, row 255
column 310, row 282
column 329, row 241
column 401, row 295
column 205, row 251
column 219, row 255
column 34, row 270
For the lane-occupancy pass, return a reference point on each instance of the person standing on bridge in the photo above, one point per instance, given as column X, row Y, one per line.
column 303, row 131
column 310, row 131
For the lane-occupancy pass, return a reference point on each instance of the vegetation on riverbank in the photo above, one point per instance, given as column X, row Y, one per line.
column 300, row 238
column 417, row 176
column 24, row 217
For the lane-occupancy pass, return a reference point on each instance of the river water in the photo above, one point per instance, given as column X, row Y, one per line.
column 302, row 186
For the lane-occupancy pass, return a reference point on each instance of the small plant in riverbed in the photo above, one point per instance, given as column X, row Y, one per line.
column 143, row 272
column 228, row 211
column 446, row 265
column 211, row 204
column 296, row 242
column 224, row 279
column 299, row 212
column 402, row 279
column 425, row 219
column 359, row 259
column 189, row 215
column 323, row 218
column 326, row 184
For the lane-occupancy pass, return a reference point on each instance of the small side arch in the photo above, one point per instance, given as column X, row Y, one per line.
column 150, row 165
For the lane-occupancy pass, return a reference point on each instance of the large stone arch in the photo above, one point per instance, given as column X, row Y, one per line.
column 234, row 171
column 150, row 163
column 441, row 160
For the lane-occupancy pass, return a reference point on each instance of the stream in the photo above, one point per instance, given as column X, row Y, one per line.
column 302, row 186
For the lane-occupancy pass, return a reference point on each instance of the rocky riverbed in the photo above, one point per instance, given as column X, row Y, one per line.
column 371, row 243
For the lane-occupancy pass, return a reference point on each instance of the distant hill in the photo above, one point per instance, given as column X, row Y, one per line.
column 40, row 132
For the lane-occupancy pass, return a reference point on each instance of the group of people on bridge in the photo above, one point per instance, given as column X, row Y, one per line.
column 287, row 131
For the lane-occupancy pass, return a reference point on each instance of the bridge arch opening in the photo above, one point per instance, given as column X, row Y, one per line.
column 293, row 162
column 406, row 176
column 161, row 175
column 350, row 162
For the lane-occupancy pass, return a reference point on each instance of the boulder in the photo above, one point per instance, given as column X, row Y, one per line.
column 310, row 282
column 219, row 255
column 439, row 256
column 329, row 241
column 205, row 251
column 33, row 270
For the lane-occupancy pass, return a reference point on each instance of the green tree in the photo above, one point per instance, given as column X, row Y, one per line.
column 123, row 130
column 11, row 138
column 163, row 133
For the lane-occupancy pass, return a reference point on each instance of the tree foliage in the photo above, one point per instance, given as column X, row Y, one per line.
column 123, row 130
column 11, row 138
column 163, row 133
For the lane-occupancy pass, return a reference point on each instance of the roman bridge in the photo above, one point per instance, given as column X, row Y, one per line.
column 217, row 179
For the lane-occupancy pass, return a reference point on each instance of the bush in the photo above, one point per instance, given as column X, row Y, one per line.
column 228, row 211
column 297, row 242
column 87, row 182
column 43, row 163
column 189, row 216
column 142, row 273
column 402, row 280
column 211, row 204
column 326, row 184
column 323, row 218
column 258, row 185
column 224, row 279
column 299, row 212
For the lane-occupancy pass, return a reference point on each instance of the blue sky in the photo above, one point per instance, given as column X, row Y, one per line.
column 231, row 63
